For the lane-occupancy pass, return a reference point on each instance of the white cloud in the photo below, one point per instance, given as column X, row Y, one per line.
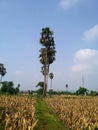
column 91, row 34
column 85, row 64
column 86, row 60
column 66, row 4
column 85, row 55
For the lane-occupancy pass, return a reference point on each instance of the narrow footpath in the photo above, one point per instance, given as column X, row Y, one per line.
column 47, row 119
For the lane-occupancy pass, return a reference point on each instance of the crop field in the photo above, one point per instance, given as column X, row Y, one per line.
column 79, row 113
column 17, row 113
column 76, row 113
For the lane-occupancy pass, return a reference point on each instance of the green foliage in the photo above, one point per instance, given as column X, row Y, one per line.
column 51, row 91
column 82, row 91
column 93, row 93
column 17, row 89
column 40, row 84
column 40, row 90
column 8, row 87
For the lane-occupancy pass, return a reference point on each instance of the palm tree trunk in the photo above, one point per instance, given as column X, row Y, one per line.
column 45, row 77
column 44, row 89
column 51, row 85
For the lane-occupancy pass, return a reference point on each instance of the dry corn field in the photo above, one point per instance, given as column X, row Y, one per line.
column 79, row 113
column 18, row 112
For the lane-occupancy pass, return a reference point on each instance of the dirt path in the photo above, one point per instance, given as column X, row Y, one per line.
column 47, row 120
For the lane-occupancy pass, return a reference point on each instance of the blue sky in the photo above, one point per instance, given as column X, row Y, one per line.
column 75, row 27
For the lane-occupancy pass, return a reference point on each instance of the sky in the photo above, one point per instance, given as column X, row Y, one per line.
column 75, row 27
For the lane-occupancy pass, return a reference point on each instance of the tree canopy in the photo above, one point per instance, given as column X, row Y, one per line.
column 82, row 91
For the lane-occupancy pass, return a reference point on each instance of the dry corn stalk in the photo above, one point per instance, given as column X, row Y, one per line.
column 19, row 112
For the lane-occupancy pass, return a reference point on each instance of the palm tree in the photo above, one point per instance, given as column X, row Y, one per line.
column 66, row 87
column 2, row 71
column 51, row 75
column 47, row 54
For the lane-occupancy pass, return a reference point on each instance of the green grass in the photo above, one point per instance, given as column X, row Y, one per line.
column 47, row 119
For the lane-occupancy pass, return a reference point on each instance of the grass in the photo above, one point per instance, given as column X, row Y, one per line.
column 47, row 119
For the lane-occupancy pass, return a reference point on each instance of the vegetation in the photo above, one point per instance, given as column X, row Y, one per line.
column 8, row 88
column 40, row 90
column 28, row 112
column 2, row 71
column 47, row 54
column 82, row 91
column 17, row 113
column 47, row 120
column 93, row 93
column 78, row 112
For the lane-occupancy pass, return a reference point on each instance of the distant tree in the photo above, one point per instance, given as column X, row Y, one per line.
column 4, row 87
column 47, row 54
column 82, row 91
column 51, row 76
column 8, row 87
column 17, row 89
column 11, row 89
column 2, row 71
column 93, row 93
column 66, row 87
column 40, row 90
column 50, row 92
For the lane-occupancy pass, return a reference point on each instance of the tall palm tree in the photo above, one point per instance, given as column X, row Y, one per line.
column 51, row 75
column 2, row 71
column 47, row 54
column 66, row 87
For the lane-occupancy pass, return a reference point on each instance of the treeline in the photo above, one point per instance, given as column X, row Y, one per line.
column 53, row 92
column 7, row 87
column 81, row 91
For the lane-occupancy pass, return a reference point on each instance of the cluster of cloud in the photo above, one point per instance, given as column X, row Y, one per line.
column 85, row 61
column 66, row 4
column 91, row 34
